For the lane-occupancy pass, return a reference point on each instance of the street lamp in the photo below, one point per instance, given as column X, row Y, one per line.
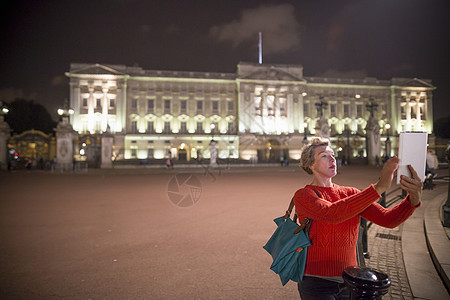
column 65, row 112
column 388, row 141
column 3, row 109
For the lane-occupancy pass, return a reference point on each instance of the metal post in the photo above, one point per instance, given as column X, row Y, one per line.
column 446, row 207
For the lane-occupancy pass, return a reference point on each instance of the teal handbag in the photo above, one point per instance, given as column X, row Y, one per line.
column 288, row 246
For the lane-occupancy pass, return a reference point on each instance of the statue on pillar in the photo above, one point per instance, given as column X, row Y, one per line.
column 213, row 151
column 373, row 135
column 322, row 128
column 64, row 140
column 107, row 146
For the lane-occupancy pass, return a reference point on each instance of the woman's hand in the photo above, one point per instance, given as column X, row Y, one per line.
column 387, row 173
column 413, row 186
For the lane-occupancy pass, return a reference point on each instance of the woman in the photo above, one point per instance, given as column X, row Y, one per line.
column 335, row 218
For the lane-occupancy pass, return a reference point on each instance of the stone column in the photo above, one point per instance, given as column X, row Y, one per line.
column 5, row 132
column 107, row 147
column 322, row 128
column 64, row 146
column 213, row 155
column 105, row 106
column 373, row 141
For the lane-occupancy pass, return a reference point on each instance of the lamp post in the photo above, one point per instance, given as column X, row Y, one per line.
column 213, row 126
column 5, row 132
column 347, row 147
column 388, row 141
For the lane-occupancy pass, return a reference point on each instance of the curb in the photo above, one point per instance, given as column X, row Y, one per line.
column 437, row 240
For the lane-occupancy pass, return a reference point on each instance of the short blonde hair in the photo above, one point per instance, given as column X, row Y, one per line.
column 308, row 151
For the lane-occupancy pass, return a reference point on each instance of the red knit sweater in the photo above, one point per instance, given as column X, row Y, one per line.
column 334, row 230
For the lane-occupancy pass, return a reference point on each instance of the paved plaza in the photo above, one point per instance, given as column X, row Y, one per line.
column 155, row 233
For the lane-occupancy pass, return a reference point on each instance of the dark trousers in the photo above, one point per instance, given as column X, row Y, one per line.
column 314, row 288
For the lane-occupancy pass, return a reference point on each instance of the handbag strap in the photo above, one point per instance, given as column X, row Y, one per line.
column 306, row 223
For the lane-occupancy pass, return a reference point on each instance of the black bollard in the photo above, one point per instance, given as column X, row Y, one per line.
column 366, row 283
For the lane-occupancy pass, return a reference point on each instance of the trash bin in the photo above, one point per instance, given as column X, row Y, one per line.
column 366, row 283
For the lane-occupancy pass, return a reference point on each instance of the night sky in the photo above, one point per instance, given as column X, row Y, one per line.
column 376, row 38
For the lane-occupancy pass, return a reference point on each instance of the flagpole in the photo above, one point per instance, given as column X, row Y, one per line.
column 260, row 48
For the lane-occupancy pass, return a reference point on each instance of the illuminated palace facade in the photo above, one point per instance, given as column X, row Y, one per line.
column 262, row 112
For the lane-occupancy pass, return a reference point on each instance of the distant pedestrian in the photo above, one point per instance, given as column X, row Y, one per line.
column 431, row 163
column 335, row 212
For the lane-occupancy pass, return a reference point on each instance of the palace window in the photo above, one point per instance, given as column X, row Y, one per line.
column 134, row 103
column 166, row 126
column 346, row 110
column 133, row 126
column 230, row 106
column 359, row 110
column 333, row 110
column 167, row 106
column 85, row 103
column 111, row 104
column 199, row 127
column 403, row 110
column 150, row 105
column 183, row 127
column 150, row 153
column 283, row 111
column 199, row 106
column 150, row 126
column 258, row 104
column 305, row 109
column 183, row 106
column 215, row 106
column 99, row 103
column 230, row 127
column 270, row 105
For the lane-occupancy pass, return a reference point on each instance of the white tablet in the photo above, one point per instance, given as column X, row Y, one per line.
column 412, row 151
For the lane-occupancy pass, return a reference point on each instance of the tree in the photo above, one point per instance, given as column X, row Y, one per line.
column 442, row 127
column 26, row 114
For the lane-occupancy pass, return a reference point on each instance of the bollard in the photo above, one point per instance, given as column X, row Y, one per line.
column 366, row 283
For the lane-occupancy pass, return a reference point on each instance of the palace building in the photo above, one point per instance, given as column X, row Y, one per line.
column 260, row 113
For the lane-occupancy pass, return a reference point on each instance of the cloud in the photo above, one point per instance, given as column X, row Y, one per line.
column 340, row 24
column 281, row 30
column 335, row 34
column 405, row 67
column 332, row 73
column 10, row 94
column 59, row 80
column 171, row 29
